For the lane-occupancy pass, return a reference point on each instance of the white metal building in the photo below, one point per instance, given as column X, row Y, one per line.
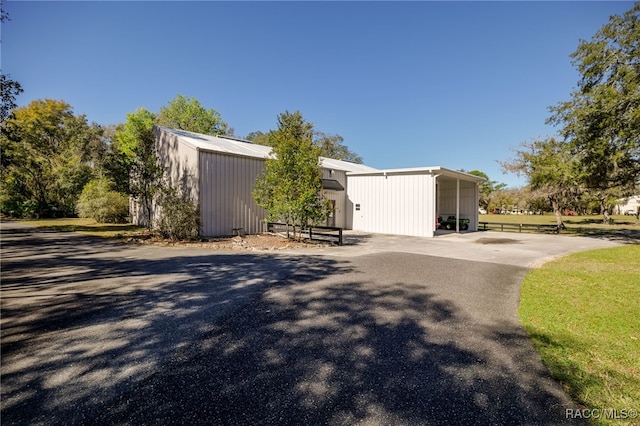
column 408, row 201
column 220, row 173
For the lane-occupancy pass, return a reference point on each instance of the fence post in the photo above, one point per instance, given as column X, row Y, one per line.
column 340, row 238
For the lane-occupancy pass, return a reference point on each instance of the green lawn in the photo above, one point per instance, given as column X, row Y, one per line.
column 85, row 226
column 583, row 315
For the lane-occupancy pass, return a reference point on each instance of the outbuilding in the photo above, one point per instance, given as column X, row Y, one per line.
column 219, row 173
column 410, row 201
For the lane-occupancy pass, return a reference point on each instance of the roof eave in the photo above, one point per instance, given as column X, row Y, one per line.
column 435, row 170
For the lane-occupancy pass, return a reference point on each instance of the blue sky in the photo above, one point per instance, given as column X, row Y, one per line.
column 407, row 84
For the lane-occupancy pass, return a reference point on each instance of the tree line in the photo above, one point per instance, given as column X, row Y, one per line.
column 57, row 164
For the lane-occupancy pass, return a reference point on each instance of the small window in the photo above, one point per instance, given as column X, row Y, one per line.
column 357, row 207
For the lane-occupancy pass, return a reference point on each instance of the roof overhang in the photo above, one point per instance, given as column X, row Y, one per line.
column 332, row 185
column 436, row 171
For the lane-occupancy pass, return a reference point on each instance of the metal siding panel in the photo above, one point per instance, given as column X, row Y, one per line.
column 430, row 202
column 356, row 196
column 206, row 193
column 227, row 200
column 242, row 211
column 203, row 194
column 181, row 163
column 377, row 212
column 340, row 197
column 393, row 204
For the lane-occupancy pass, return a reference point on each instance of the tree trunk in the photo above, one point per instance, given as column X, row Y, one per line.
column 605, row 211
column 558, row 214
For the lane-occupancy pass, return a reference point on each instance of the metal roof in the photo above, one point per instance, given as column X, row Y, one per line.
column 247, row 149
column 216, row 144
column 347, row 166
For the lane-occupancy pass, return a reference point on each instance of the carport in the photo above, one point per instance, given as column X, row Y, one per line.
column 408, row 201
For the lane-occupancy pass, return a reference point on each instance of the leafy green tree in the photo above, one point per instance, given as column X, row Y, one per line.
column 115, row 164
column 45, row 160
column 290, row 188
column 331, row 146
column 4, row 16
column 601, row 121
column 132, row 163
column 259, row 138
column 487, row 189
column 188, row 114
column 100, row 202
column 180, row 219
column 9, row 91
column 551, row 170
column 136, row 141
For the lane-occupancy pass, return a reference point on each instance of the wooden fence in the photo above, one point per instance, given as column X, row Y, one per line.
column 317, row 233
column 518, row 227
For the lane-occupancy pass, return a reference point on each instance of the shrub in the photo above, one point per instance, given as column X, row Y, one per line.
column 14, row 198
column 180, row 217
column 100, row 202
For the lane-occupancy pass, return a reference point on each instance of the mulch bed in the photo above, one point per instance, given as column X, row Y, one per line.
column 260, row 242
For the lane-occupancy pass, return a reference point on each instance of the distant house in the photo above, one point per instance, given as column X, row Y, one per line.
column 220, row 172
column 628, row 205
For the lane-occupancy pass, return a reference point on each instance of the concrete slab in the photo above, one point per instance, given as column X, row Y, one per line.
column 509, row 248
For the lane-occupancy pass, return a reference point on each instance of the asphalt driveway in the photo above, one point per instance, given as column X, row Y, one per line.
column 97, row 332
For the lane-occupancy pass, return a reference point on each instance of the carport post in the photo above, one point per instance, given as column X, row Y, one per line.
column 457, row 205
column 435, row 206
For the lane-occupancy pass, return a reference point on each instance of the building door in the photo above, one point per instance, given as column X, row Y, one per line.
column 331, row 220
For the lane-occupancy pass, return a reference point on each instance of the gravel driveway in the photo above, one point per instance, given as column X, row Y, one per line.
column 97, row 332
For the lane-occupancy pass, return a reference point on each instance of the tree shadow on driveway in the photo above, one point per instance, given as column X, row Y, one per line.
column 97, row 333
column 347, row 351
column 84, row 319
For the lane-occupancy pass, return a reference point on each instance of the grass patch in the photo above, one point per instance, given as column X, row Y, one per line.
column 85, row 226
column 583, row 315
